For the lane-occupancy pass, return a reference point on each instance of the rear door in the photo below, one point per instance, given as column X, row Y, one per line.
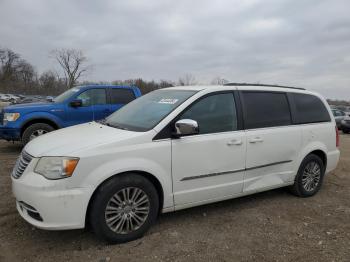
column 273, row 142
column 119, row 97
column 210, row 165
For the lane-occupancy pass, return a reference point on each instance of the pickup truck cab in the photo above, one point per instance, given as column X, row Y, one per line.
column 24, row 122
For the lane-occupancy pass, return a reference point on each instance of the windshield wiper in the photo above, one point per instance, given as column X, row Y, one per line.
column 117, row 126
column 104, row 122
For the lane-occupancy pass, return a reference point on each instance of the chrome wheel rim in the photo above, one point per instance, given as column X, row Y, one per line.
column 127, row 210
column 311, row 176
column 37, row 133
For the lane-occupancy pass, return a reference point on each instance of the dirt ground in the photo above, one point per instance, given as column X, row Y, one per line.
column 270, row 226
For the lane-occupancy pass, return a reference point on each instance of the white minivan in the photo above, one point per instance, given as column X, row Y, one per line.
column 175, row 148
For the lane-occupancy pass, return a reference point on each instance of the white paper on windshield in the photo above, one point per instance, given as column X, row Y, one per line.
column 170, row 101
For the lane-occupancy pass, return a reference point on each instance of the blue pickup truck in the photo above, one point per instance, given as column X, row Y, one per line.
column 23, row 122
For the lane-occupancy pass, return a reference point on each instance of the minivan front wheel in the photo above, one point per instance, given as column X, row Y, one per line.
column 310, row 176
column 124, row 208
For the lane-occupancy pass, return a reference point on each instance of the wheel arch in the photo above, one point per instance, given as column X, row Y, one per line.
column 153, row 179
column 38, row 120
column 321, row 154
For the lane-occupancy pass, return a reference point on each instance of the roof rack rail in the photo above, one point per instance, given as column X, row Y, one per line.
column 247, row 84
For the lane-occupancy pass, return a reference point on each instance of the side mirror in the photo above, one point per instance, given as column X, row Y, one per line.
column 76, row 103
column 186, row 127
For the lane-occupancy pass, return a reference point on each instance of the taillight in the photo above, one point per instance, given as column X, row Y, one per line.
column 337, row 136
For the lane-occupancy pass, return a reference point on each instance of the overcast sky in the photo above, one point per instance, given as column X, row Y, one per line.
column 303, row 43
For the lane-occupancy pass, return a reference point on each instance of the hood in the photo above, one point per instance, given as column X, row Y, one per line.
column 29, row 107
column 66, row 141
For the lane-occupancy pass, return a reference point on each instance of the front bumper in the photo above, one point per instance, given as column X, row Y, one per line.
column 9, row 133
column 49, row 204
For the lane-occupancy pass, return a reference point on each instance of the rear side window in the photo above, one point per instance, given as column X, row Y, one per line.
column 121, row 96
column 265, row 109
column 309, row 109
column 338, row 113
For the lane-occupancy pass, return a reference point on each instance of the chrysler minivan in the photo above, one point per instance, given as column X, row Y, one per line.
column 175, row 148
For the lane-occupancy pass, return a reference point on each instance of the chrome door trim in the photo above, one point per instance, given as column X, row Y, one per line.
column 234, row 171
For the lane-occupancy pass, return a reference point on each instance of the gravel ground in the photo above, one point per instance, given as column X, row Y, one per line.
column 270, row 226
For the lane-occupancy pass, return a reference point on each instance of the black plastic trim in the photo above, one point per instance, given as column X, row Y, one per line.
column 212, row 174
column 266, row 85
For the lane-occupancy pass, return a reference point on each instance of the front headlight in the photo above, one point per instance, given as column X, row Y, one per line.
column 11, row 117
column 56, row 167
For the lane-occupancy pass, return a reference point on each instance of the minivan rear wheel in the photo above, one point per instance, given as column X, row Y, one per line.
column 124, row 208
column 310, row 176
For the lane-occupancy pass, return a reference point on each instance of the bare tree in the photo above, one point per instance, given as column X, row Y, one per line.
column 26, row 73
column 73, row 63
column 187, row 80
column 9, row 61
column 219, row 81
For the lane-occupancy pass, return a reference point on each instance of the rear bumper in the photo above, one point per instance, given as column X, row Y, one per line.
column 8, row 133
column 332, row 160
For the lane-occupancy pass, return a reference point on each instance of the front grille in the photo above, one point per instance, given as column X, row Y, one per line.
column 21, row 164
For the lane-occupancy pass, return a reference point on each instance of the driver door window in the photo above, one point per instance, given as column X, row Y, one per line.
column 93, row 97
column 94, row 107
column 214, row 114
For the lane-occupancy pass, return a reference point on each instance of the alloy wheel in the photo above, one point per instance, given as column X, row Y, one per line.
column 37, row 133
column 127, row 210
column 311, row 176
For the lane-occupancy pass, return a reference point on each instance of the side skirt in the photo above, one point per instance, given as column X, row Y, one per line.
column 209, row 201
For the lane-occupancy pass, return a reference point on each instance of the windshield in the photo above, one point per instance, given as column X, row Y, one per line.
column 147, row 111
column 65, row 95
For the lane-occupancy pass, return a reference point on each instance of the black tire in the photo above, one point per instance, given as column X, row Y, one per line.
column 297, row 188
column 102, row 197
column 30, row 130
column 346, row 131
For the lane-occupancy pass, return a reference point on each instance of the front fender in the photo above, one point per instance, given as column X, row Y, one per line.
column 153, row 158
column 41, row 115
column 113, row 168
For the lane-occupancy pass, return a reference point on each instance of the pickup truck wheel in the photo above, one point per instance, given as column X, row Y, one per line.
column 124, row 208
column 34, row 131
column 310, row 176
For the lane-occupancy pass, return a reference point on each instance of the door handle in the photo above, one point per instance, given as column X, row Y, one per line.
column 235, row 142
column 256, row 140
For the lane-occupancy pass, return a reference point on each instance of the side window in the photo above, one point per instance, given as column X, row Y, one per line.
column 121, row 96
column 337, row 113
column 265, row 109
column 93, row 97
column 214, row 114
column 310, row 109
